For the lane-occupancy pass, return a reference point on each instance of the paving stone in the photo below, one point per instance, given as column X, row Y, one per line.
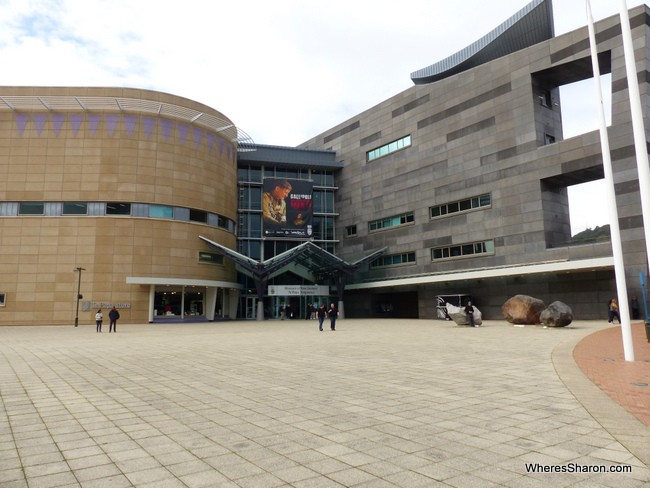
column 401, row 403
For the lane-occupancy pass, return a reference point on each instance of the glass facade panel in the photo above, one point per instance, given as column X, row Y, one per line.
column 161, row 211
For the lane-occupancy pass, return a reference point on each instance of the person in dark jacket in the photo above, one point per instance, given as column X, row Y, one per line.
column 469, row 311
column 321, row 314
column 332, row 313
column 113, row 315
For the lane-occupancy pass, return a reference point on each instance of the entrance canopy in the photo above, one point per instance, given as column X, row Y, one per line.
column 305, row 259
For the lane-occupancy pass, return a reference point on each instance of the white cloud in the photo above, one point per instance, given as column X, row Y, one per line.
column 282, row 70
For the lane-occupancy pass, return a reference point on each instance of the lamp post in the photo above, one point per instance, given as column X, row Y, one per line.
column 79, row 295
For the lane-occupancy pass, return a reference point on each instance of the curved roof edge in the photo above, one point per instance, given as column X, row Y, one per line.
column 531, row 25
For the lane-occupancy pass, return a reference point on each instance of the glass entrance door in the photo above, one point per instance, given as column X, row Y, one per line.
column 251, row 307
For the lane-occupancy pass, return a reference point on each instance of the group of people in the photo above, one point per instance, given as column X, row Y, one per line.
column 332, row 312
column 113, row 316
column 320, row 313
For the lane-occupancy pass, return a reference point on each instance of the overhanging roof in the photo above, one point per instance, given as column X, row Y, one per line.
column 150, row 280
column 531, row 25
column 307, row 255
column 504, row 271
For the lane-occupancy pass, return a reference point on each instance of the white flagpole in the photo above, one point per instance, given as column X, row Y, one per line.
column 617, row 248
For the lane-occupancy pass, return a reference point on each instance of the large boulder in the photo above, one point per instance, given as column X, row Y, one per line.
column 459, row 316
column 522, row 309
column 557, row 314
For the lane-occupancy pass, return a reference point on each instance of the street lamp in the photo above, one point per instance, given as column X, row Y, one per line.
column 79, row 295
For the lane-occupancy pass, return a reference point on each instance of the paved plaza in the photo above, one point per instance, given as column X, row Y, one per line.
column 378, row 403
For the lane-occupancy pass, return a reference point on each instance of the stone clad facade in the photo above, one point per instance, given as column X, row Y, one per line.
column 149, row 182
column 492, row 131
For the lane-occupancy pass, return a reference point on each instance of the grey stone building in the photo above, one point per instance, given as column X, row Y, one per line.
column 463, row 177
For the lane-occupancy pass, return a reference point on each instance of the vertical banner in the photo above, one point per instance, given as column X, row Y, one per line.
column 287, row 208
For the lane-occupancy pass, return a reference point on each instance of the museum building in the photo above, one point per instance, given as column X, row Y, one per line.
column 103, row 192
column 454, row 188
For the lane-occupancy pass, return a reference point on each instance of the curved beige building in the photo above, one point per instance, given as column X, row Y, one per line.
column 120, row 183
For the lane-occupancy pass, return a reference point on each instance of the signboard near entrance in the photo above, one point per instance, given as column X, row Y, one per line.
column 298, row 290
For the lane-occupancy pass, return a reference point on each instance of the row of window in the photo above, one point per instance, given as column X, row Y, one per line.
column 461, row 206
column 393, row 260
column 434, row 212
column 389, row 148
column 256, row 174
column 96, row 209
column 459, row 250
column 391, row 221
column 448, row 252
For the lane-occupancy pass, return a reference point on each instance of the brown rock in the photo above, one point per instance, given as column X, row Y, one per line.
column 522, row 309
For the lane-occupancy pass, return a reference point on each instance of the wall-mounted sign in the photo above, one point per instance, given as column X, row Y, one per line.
column 86, row 306
column 298, row 290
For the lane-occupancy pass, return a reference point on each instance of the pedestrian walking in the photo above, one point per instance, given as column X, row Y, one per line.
column 612, row 306
column 321, row 314
column 99, row 317
column 332, row 313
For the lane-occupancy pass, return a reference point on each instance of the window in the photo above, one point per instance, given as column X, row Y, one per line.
column 31, row 208
column 210, row 257
column 161, row 211
column 351, row 230
column 323, row 228
column 252, row 249
column 546, row 99
column 248, row 173
column 461, row 206
column 549, row 139
column 113, row 208
column 250, row 225
column 75, row 208
column 323, row 201
column 462, row 250
column 393, row 260
column 322, row 178
column 391, row 221
column 3, row 298
column 386, row 149
column 198, row 216
column 250, row 198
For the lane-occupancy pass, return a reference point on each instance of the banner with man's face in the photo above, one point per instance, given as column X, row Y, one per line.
column 287, row 208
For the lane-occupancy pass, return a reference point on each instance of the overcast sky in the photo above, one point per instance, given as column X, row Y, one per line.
column 281, row 70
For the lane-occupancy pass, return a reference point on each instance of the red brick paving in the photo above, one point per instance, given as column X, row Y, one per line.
column 600, row 356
